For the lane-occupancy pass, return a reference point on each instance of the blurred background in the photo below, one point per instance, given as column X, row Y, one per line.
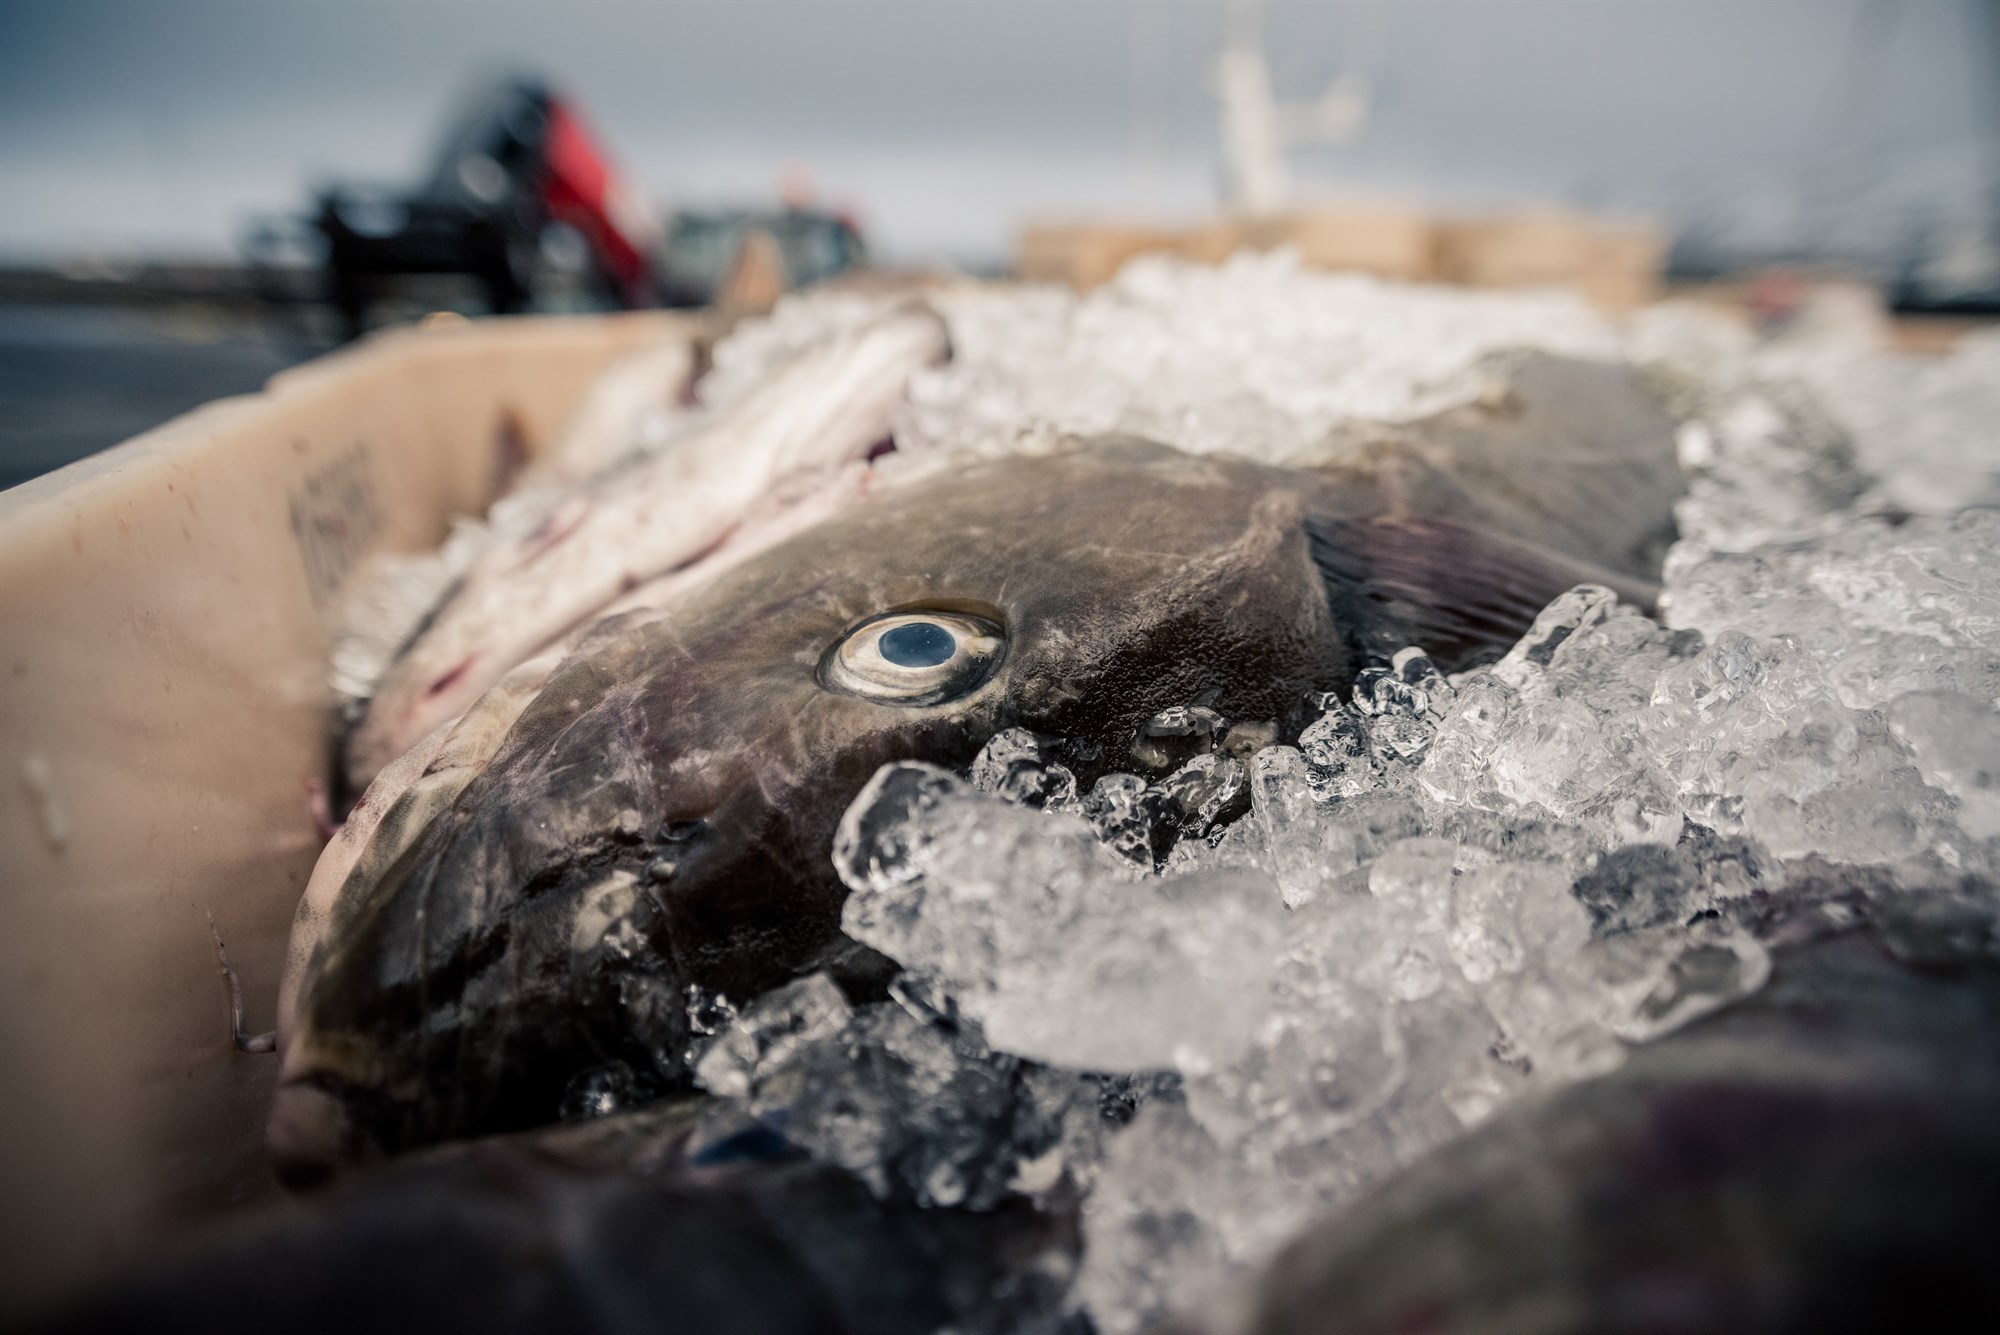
column 196, row 193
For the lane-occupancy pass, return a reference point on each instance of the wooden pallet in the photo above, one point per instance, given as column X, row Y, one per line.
column 1617, row 264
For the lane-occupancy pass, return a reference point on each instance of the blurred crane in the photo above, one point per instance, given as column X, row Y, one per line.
column 1258, row 130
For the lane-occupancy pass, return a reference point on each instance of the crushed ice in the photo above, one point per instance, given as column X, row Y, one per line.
column 1217, row 1004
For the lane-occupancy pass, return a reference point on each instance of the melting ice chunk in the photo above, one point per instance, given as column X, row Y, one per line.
column 912, row 1108
column 768, row 1035
column 1175, row 736
column 1014, row 765
column 1055, row 944
column 1956, row 742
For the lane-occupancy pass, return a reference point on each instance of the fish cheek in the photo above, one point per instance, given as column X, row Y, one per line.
column 1097, row 708
column 731, row 890
column 1247, row 633
column 751, row 898
column 839, row 744
column 746, row 910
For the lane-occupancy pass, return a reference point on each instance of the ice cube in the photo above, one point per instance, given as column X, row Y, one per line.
column 1048, row 938
column 1014, row 765
column 1338, row 756
column 1458, row 768
column 1503, row 915
column 1577, row 611
column 1208, row 791
column 770, row 1033
column 1647, row 991
column 1124, row 814
column 1175, row 736
column 1956, row 742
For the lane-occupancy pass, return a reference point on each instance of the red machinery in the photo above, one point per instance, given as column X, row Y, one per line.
column 519, row 163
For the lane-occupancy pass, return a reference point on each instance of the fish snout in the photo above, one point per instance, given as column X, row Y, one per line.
column 571, row 992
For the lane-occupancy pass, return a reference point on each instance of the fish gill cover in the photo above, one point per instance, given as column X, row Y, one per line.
column 1219, row 1001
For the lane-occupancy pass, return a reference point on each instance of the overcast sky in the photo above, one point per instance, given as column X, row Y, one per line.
column 163, row 124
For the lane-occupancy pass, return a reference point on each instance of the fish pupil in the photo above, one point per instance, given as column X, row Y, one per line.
column 917, row 644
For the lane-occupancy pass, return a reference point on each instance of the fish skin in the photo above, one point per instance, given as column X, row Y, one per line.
column 1823, row 1156
column 603, row 1229
column 447, row 997
column 638, row 520
column 764, row 526
column 397, row 807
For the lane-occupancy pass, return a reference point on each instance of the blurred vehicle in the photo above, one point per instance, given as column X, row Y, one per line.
column 520, row 198
column 727, row 256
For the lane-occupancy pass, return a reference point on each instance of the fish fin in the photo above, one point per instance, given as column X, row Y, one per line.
column 1464, row 593
column 1570, row 456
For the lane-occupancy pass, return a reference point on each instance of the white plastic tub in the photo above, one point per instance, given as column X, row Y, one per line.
column 165, row 610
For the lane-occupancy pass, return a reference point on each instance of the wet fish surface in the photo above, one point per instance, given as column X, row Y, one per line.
column 602, row 1230
column 656, row 821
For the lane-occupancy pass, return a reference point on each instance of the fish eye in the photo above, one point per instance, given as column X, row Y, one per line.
column 913, row 658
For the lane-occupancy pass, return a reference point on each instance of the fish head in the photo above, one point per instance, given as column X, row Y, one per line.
column 654, row 834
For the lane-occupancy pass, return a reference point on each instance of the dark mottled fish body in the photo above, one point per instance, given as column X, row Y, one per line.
column 659, row 817
column 607, row 1229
